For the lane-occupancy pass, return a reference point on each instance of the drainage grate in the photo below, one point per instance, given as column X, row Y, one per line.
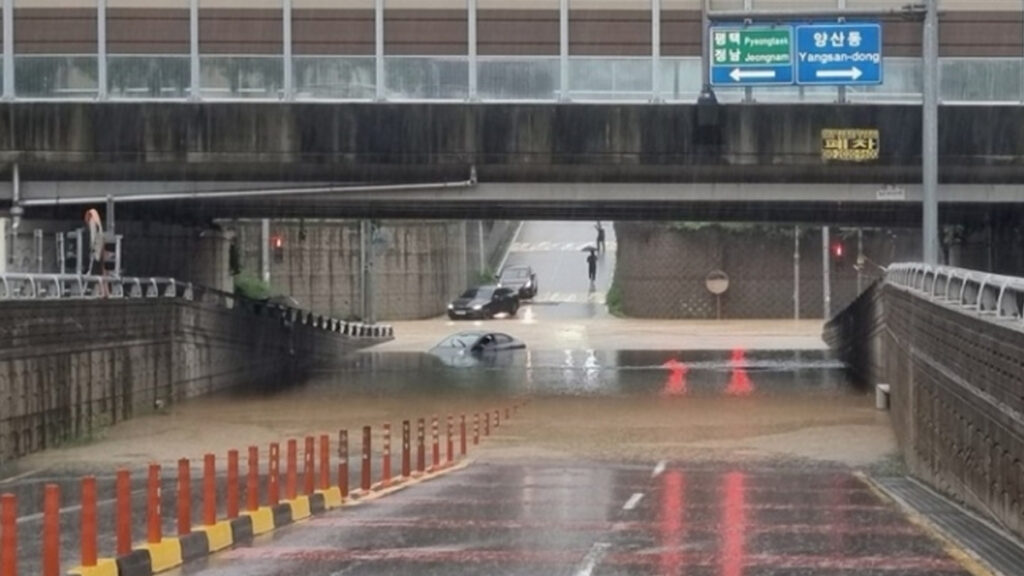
column 1000, row 551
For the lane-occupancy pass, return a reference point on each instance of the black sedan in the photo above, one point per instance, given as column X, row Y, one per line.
column 484, row 302
column 522, row 279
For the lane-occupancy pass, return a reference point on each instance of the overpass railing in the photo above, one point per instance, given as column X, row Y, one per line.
column 30, row 287
column 987, row 294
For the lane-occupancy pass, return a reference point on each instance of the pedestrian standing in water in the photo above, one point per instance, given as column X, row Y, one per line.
column 592, row 266
column 600, row 238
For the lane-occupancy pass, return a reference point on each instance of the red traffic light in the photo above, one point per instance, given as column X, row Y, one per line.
column 837, row 250
column 277, row 242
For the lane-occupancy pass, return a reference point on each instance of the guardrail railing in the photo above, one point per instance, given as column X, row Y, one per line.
column 18, row 286
column 986, row 294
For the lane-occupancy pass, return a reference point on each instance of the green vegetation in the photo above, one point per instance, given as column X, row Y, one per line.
column 249, row 286
column 614, row 300
column 486, row 276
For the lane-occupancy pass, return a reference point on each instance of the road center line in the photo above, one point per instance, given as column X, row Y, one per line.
column 659, row 469
column 592, row 559
column 633, row 501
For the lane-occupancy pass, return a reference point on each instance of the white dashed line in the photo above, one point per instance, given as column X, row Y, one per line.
column 633, row 501
column 658, row 469
column 592, row 559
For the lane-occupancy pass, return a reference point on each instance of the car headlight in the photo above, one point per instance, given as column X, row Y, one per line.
column 451, row 306
column 529, row 284
column 478, row 307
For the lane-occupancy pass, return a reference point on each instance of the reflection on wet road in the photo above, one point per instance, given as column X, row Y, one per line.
column 595, row 372
column 575, row 518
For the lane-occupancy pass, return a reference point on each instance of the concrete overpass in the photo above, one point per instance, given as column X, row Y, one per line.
column 530, row 160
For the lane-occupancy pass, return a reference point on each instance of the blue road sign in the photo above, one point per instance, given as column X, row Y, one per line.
column 751, row 56
column 839, row 54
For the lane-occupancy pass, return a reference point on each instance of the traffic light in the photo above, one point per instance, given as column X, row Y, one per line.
column 838, row 251
column 277, row 245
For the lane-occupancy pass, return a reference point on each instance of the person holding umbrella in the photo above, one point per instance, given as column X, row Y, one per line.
column 592, row 265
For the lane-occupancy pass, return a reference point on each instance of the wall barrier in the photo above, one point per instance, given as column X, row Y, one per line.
column 220, row 527
column 18, row 286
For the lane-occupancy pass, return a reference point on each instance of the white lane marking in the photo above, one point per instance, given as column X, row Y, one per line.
column 633, row 501
column 593, row 558
column 659, row 469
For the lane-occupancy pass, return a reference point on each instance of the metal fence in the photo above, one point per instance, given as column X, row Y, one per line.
column 1000, row 297
column 20, row 287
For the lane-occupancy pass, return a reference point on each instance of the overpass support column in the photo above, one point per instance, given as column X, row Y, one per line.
column 8, row 17
column 3, row 245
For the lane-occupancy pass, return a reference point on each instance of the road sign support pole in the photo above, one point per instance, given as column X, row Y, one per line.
column 705, row 70
column 655, row 50
column 930, row 135
column 563, row 49
column 796, row 272
column 826, row 276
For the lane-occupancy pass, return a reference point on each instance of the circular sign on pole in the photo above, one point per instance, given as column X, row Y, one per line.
column 717, row 282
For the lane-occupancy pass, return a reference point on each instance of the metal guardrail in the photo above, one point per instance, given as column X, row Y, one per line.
column 986, row 294
column 25, row 287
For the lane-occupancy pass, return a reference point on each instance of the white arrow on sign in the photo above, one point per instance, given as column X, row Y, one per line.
column 738, row 75
column 851, row 74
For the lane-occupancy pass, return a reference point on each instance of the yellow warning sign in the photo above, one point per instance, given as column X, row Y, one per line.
column 849, row 145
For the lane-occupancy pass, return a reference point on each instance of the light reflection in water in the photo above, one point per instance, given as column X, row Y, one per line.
column 671, row 522
column 734, row 522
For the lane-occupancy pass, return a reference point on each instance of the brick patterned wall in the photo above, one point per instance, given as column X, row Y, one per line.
column 957, row 394
column 70, row 367
column 661, row 269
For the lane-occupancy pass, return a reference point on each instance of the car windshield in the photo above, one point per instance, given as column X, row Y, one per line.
column 478, row 293
column 515, row 274
column 459, row 341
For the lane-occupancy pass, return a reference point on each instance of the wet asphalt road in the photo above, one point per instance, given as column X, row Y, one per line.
column 556, row 251
column 575, row 518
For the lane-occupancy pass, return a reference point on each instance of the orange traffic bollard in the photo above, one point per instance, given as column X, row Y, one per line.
column 8, row 535
column 51, row 530
column 232, row 488
column 421, row 449
column 252, row 486
column 291, row 474
column 154, row 526
column 343, row 463
column 209, row 490
column 487, row 424
column 406, row 447
column 450, row 439
column 365, row 484
column 325, row 461
column 123, row 496
column 88, row 531
column 462, row 436
column 274, row 475
column 309, row 466
column 184, row 497
column 385, row 463
column 435, row 443
column 476, row 428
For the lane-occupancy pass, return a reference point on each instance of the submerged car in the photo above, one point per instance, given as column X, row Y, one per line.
column 480, row 342
column 479, row 349
column 484, row 302
column 522, row 279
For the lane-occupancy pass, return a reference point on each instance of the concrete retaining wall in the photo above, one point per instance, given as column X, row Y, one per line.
column 661, row 269
column 70, row 367
column 418, row 266
column 957, row 393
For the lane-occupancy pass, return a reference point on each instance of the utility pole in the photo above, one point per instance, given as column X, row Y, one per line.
column 930, row 134
column 826, row 273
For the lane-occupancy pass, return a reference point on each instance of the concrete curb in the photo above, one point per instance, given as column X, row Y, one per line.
column 170, row 553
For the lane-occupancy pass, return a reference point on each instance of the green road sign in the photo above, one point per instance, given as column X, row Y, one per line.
column 751, row 46
column 751, row 55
